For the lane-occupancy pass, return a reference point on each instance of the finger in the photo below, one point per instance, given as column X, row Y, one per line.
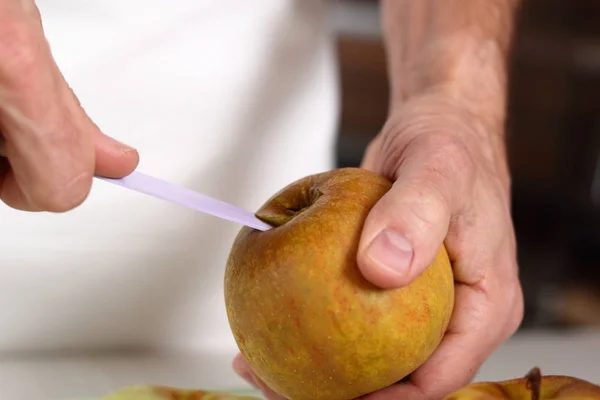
column 51, row 158
column 113, row 158
column 241, row 368
column 406, row 228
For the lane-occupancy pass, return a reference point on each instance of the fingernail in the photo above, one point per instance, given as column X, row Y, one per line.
column 127, row 150
column 392, row 252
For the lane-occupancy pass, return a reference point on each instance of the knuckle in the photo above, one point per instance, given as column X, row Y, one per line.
column 444, row 166
column 427, row 206
column 431, row 209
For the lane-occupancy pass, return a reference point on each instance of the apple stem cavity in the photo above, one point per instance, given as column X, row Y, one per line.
column 281, row 211
column 534, row 382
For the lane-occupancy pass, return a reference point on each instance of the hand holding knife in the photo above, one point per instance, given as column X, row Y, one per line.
column 158, row 188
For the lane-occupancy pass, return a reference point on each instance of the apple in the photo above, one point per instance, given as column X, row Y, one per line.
column 150, row 392
column 533, row 386
column 307, row 322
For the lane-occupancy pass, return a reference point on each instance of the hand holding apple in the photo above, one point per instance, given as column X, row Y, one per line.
column 450, row 185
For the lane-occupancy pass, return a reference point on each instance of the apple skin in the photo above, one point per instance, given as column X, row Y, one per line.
column 305, row 319
column 150, row 392
column 534, row 386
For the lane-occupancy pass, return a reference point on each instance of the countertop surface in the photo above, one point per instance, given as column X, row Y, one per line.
column 89, row 376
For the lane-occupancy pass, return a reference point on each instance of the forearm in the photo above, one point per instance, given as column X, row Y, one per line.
column 455, row 47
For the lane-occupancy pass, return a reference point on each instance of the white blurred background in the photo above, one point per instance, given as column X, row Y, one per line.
column 554, row 146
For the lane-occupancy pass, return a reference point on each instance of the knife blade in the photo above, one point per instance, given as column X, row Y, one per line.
column 161, row 189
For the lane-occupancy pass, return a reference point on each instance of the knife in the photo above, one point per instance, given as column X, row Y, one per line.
column 164, row 190
column 158, row 188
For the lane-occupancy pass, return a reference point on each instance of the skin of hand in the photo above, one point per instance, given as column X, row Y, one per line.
column 443, row 147
column 49, row 148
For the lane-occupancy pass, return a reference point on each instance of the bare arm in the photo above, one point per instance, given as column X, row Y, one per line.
column 459, row 47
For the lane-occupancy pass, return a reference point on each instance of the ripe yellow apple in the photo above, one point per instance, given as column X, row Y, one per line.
column 308, row 323
column 533, row 386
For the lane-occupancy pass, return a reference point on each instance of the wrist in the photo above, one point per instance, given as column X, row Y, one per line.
column 453, row 112
column 467, row 72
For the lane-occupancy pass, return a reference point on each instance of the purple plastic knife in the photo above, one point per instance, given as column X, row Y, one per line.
column 179, row 195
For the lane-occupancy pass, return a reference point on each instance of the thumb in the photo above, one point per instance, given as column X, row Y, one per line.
column 403, row 232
